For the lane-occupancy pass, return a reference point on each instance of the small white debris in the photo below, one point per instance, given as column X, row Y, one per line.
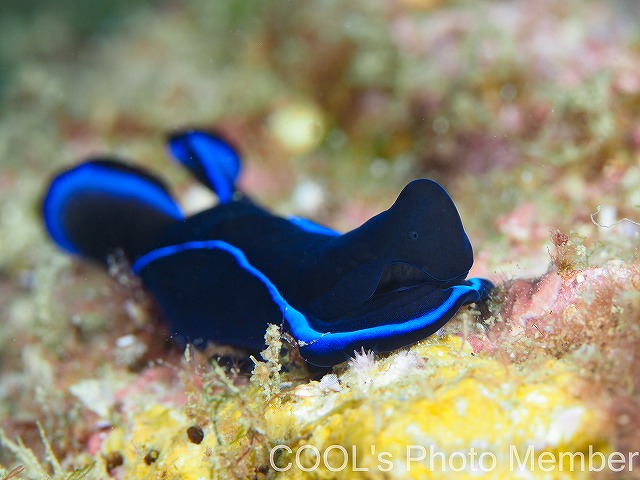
column 564, row 425
column 297, row 126
column 136, row 312
column 96, row 395
column 126, row 341
column 330, row 382
column 197, row 198
column 461, row 406
column 607, row 216
column 308, row 196
column 129, row 350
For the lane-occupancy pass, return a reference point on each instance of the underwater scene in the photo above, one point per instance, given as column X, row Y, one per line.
column 330, row 239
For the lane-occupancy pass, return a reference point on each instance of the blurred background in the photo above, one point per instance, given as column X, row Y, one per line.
column 334, row 105
column 526, row 112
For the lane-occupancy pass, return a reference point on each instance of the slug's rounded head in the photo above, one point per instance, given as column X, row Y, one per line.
column 423, row 229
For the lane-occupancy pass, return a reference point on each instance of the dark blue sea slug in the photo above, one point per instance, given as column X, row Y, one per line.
column 225, row 273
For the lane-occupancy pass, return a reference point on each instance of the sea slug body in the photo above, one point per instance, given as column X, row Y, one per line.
column 225, row 273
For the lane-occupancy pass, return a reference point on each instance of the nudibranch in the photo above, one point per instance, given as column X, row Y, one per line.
column 225, row 273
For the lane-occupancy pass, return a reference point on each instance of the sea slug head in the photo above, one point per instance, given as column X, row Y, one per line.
column 423, row 229
column 418, row 243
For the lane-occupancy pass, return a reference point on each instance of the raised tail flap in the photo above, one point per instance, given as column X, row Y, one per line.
column 104, row 205
column 212, row 160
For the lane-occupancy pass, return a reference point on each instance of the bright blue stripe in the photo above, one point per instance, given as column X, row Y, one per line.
column 89, row 178
column 180, row 152
column 220, row 163
column 312, row 227
column 318, row 342
column 154, row 255
column 323, row 342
